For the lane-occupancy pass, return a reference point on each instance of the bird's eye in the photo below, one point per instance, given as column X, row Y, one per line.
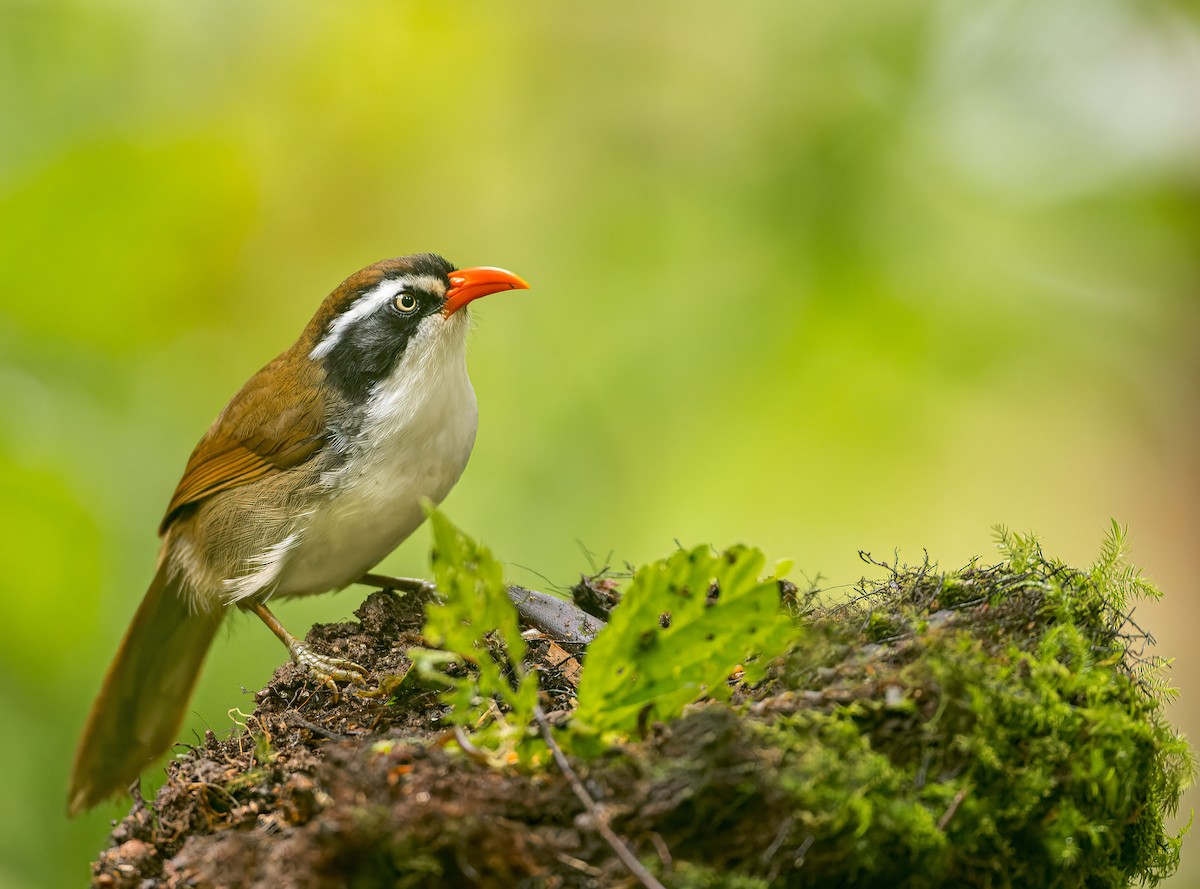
column 406, row 303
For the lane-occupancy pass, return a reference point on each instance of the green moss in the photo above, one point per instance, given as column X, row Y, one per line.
column 692, row 876
column 1006, row 732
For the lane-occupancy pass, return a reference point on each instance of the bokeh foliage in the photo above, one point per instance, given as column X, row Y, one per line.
column 812, row 276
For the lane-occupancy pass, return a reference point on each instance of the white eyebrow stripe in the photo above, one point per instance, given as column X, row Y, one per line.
column 366, row 304
column 382, row 293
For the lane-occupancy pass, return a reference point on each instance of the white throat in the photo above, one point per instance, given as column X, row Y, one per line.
column 416, row 435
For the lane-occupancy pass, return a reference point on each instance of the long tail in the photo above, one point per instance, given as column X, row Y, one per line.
column 145, row 694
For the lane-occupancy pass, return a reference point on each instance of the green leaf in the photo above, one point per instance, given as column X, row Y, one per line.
column 667, row 644
column 473, row 623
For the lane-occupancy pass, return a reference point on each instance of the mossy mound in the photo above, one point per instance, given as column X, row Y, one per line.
column 990, row 727
column 994, row 726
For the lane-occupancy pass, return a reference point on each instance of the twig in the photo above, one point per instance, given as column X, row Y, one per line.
column 565, row 621
column 781, row 835
column 318, row 729
column 581, row 866
column 949, row 813
column 664, row 851
column 627, row 857
column 473, row 753
column 208, row 785
column 135, row 791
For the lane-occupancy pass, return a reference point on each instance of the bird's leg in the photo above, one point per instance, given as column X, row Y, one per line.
column 407, row 584
column 327, row 670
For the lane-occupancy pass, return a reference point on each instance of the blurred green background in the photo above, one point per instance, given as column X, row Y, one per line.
column 817, row 277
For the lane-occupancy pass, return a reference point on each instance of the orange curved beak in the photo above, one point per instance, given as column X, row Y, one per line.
column 469, row 284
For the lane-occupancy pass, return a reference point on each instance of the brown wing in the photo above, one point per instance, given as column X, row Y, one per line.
column 265, row 429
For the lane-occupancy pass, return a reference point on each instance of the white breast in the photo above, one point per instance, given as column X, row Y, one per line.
column 414, row 443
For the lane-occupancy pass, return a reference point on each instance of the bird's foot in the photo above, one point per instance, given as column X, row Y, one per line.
column 328, row 671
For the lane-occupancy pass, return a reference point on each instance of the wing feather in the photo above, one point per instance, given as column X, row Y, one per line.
column 265, row 429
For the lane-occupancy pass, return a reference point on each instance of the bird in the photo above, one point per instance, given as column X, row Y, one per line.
column 314, row 471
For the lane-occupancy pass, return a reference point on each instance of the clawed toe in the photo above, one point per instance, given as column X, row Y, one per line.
column 328, row 670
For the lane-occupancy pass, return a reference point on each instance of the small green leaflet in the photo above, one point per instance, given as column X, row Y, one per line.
column 637, row 669
column 473, row 605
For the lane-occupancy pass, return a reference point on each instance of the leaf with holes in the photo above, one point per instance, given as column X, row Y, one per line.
column 685, row 624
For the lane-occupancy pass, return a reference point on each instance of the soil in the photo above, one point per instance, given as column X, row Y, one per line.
column 328, row 788
column 931, row 732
